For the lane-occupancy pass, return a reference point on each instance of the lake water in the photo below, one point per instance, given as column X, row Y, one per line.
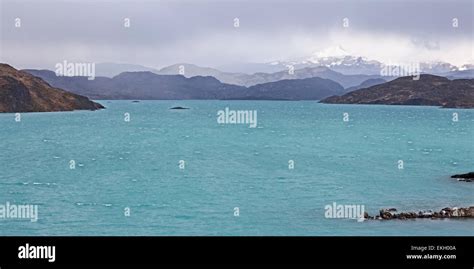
column 135, row 165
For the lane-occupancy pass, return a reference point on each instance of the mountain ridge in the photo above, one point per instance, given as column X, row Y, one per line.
column 148, row 85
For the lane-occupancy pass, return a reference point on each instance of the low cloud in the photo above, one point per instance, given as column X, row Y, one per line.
column 202, row 32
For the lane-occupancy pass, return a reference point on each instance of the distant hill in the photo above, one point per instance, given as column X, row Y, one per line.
column 147, row 85
column 142, row 85
column 367, row 83
column 23, row 92
column 429, row 90
column 191, row 70
column 113, row 69
column 294, row 89
column 248, row 80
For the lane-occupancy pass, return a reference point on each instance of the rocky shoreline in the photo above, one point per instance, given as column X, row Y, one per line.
column 447, row 212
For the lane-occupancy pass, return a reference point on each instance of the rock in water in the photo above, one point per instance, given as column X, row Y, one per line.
column 468, row 177
column 23, row 92
column 388, row 213
column 179, row 107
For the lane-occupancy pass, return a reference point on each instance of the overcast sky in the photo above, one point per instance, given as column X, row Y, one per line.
column 203, row 32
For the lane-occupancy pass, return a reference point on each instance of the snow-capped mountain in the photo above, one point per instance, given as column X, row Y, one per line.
column 339, row 60
column 190, row 70
column 437, row 67
column 333, row 63
column 466, row 67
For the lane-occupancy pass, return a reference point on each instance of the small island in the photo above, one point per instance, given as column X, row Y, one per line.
column 179, row 107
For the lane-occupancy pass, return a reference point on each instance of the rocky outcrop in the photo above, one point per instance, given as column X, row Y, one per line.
column 468, row 177
column 428, row 90
column 23, row 92
column 447, row 212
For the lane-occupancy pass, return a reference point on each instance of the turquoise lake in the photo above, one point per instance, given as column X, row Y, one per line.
column 135, row 165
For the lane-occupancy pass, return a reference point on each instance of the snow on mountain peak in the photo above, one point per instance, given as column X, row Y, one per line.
column 338, row 59
column 337, row 51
